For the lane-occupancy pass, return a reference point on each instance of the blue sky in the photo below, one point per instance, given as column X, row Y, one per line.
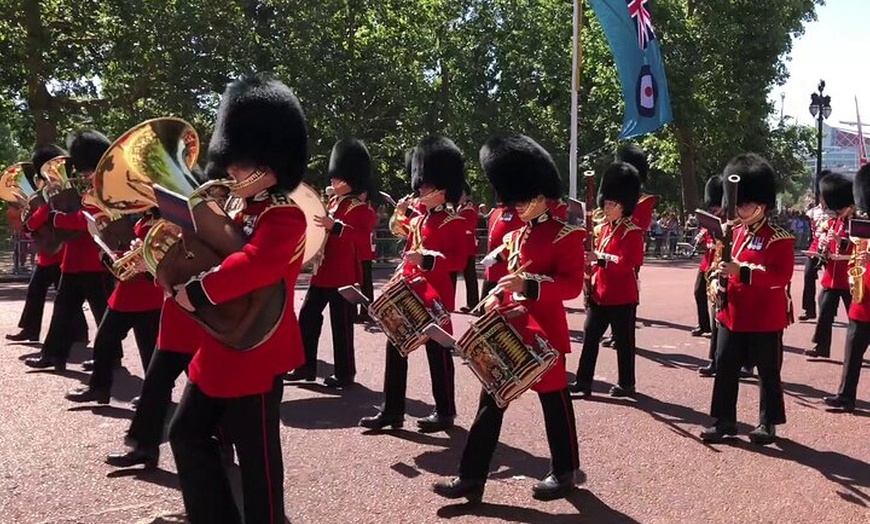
column 834, row 48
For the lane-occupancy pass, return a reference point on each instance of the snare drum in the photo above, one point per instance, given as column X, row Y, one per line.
column 507, row 351
column 405, row 307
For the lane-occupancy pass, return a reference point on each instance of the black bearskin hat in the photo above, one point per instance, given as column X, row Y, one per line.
column 836, row 191
column 350, row 161
column 861, row 189
column 519, row 169
column 43, row 154
column 713, row 192
column 437, row 162
column 260, row 123
column 634, row 155
column 86, row 148
column 757, row 180
column 620, row 183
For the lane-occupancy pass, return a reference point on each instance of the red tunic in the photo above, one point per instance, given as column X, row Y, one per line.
column 709, row 244
column 619, row 247
column 836, row 274
column 340, row 266
column 140, row 293
column 45, row 259
column 443, row 233
column 558, row 209
column 274, row 251
column 81, row 254
column 758, row 297
column 554, row 251
column 179, row 332
column 367, row 251
column 502, row 220
column 643, row 212
column 469, row 213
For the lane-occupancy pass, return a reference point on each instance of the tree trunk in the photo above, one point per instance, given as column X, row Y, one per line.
column 688, row 169
column 39, row 100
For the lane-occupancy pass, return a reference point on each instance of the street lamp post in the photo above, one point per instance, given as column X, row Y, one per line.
column 820, row 108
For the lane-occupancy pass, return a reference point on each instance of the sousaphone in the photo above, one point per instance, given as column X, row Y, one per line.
column 18, row 186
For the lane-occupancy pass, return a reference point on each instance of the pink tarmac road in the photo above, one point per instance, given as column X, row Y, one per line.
column 642, row 460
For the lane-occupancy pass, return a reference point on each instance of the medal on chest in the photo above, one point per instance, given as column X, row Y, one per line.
column 755, row 244
column 249, row 222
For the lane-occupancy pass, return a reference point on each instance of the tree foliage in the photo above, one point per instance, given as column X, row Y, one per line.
column 392, row 71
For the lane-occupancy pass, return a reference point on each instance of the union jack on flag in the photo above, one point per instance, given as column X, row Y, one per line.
column 643, row 20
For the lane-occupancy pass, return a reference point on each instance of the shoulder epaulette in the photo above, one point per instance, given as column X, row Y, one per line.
column 779, row 233
column 279, row 198
column 354, row 202
column 450, row 218
column 646, row 197
column 566, row 230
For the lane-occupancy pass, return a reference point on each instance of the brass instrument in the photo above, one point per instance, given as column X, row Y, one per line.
column 162, row 152
column 714, row 264
column 857, row 270
column 19, row 186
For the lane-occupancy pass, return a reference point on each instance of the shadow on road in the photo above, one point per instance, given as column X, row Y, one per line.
column 672, row 360
column 105, row 411
column 159, row 477
column 590, row 510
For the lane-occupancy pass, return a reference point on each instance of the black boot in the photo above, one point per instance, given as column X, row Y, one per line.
column 45, row 363
column 841, row 403
column 148, row 457
column 718, row 431
column 700, row 332
column 332, row 382
column 23, row 336
column 299, row 374
column 382, row 420
column 89, row 394
column 580, row 389
column 554, row 487
column 88, row 365
column 434, row 423
column 763, row 434
column 707, row 371
column 457, row 488
column 619, row 391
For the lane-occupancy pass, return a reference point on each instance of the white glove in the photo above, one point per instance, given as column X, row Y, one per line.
column 489, row 260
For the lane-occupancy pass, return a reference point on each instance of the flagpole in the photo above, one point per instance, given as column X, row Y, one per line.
column 577, row 63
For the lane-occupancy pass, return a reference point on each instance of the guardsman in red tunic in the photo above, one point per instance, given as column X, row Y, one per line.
column 713, row 203
column 858, row 333
column 821, row 220
column 468, row 211
column 756, row 310
column 83, row 275
column 502, row 220
column 260, row 140
column 346, row 222
column 836, row 194
column 134, row 304
column 179, row 338
column 436, row 247
column 367, row 251
column 614, row 298
column 523, row 174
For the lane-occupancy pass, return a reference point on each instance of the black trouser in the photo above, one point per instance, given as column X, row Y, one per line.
column 714, row 336
column 441, row 371
column 828, row 302
column 484, row 432
column 110, row 335
column 735, row 350
column 469, row 274
column 75, row 288
column 701, row 301
column 811, row 273
column 41, row 279
column 252, row 424
column 341, row 313
column 367, row 285
column 146, row 429
column 621, row 318
column 857, row 339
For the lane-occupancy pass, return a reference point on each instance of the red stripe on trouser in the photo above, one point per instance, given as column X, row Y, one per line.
column 572, row 429
column 266, row 459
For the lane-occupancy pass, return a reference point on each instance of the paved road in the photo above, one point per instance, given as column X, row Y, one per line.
column 642, row 460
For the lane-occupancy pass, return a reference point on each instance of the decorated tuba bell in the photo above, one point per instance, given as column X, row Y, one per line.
column 18, row 186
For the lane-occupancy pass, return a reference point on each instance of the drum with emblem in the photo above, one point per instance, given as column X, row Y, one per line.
column 405, row 307
column 507, row 351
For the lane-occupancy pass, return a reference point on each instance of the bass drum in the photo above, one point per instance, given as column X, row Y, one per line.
column 308, row 199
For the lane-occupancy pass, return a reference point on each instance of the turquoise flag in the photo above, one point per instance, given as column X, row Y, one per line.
column 630, row 33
